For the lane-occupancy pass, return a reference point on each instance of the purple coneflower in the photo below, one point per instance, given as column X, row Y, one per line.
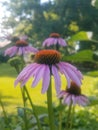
column 54, row 39
column 73, row 95
column 47, row 63
column 21, row 47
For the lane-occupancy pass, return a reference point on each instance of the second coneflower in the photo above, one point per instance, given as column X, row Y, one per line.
column 54, row 39
column 73, row 95
column 47, row 63
column 21, row 47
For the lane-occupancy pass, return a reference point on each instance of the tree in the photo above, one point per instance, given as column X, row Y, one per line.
column 66, row 17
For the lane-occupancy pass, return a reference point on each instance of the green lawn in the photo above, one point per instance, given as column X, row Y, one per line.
column 12, row 99
column 11, row 96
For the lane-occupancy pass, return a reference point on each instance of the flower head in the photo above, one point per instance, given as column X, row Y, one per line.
column 73, row 95
column 47, row 63
column 54, row 39
column 21, row 47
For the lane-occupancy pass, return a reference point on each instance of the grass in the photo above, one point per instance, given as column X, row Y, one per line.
column 11, row 96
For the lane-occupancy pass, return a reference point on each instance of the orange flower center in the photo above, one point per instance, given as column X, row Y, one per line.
column 48, row 57
column 74, row 89
column 55, row 35
column 21, row 43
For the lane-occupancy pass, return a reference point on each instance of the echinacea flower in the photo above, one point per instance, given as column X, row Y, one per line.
column 73, row 95
column 21, row 47
column 47, row 63
column 54, row 39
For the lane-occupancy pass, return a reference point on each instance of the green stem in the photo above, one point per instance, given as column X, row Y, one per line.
column 60, row 116
column 50, row 108
column 33, row 108
column 72, row 116
column 95, row 41
column 24, row 103
column 4, row 113
column 68, row 117
column 3, row 109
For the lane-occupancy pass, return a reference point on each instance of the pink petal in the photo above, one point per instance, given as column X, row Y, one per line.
column 62, row 42
column 46, row 79
column 38, row 75
column 75, row 70
column 73, row 99
column 61, row 94
column 55, row 41
column 62, row 70
column 11, row 51
column 56, row 78
column 20, row 52
column 31, row 49
column 72, row 75
column 23, row 74
column 68, row 99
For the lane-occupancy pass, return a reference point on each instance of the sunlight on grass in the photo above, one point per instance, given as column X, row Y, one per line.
column 11, row 95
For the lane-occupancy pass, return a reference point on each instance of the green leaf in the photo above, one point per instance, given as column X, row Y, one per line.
column 18, row 128
column 86, row 55
column 80, row 36
column 93, row 100
column 93, row 73
column 96, row 4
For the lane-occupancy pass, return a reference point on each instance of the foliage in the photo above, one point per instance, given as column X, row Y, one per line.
column 3, row 59
column 86, row 55
column 80, row 36
column 39, row 20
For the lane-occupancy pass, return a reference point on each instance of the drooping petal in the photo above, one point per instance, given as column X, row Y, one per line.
column 74, row 77
column 62, row 42
column 31, row 49
column 45, row 42
column 50, row 42
column 56, row 78
column 11, row 51
column 67, row 99
column 74, row 69
column 28, row 74
column 84, row 100
column 46, row 79
column 60, row 66
column 61, row 94
column 38, row 75
column 20, row 52
column 23, row 74
column 55, row 41
column 73, row 99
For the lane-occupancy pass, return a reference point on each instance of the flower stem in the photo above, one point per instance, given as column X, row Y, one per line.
column 24, row 103
column 33, row 108
column 50, row 108
column 4, row 113
column 72, row 116
column 68, row 123
column 60, row 116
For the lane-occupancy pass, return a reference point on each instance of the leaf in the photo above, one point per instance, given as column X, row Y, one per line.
column 80, row 36
column 18, row 128
column 86, row 55
column 93, row 100
column 93, row 73
column 96, row 4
